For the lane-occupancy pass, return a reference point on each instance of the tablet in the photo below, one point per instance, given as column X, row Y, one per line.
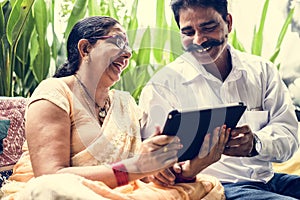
column 192, row 126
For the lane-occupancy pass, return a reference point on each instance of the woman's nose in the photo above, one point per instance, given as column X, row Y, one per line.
column 126, row 53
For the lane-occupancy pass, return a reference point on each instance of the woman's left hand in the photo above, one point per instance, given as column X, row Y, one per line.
column 157, row 152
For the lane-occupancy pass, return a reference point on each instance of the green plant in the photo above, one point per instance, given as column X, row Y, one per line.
column 27, row 53
column 257, row 42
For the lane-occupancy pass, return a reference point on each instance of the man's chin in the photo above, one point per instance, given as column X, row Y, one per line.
column 203, row 58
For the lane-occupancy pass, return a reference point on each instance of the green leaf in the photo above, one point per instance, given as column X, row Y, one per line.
column 93, row 8
column 160, row 32
column 17, row 19
column 133, row 24
column 235, row 42
column 2, row 22
column 258, row 37
column 78, row 12
column 275, row 54
column 42, row 60
column 144, row 49
column 132, row 30
column 112, row 10
column 22, row 50
column 175, row 41
column 3, row 72
column 285, row 27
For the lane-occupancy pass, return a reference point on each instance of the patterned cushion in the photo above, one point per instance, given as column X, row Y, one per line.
column 4, row 126
column 12, row 108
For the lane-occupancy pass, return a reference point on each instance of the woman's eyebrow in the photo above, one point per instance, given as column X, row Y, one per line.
column 186, row 28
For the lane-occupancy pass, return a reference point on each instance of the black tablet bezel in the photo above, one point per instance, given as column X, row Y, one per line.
column 192, row 126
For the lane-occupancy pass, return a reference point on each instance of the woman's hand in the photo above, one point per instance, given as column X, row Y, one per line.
column 156, row 153
column 210, row 152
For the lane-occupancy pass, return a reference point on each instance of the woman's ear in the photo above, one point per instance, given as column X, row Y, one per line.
column 84, row 47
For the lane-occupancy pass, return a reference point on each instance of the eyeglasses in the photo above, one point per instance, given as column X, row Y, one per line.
column 117, row 40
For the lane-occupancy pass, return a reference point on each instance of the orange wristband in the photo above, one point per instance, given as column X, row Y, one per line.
column 121, row 173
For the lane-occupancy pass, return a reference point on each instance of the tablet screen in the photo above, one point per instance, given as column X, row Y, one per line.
column 192, row 126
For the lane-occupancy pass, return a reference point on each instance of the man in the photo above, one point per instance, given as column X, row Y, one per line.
column 211, row 73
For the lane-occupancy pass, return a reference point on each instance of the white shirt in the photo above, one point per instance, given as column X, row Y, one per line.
column 185, row 84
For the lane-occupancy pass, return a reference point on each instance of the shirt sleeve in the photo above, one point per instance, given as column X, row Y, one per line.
column 279, row 137
column 156, row 101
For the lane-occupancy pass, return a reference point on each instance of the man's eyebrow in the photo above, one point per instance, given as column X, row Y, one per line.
column 208, row 23
column 200, row 25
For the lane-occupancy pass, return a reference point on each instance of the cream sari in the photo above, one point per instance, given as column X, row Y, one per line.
column 118, row 138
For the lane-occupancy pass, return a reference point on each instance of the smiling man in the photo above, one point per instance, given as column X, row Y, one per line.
column 211, row 73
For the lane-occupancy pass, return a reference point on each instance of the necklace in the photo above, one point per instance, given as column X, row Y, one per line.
column 102, row 111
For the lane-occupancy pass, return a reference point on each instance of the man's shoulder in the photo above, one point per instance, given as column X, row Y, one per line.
column 254, row 63
column 248, row 57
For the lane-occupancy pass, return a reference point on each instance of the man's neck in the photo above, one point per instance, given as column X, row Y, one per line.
column 221, row 68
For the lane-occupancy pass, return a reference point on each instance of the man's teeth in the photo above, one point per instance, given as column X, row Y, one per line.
column 203, row 50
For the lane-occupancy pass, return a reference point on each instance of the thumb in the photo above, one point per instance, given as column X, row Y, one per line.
column 177, row 168
column 157, row 131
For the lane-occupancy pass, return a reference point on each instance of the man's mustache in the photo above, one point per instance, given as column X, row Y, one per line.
column 209, row 43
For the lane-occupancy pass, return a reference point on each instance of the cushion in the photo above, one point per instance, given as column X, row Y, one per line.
column 292, row 166
column 4, row 126
column 12, row 108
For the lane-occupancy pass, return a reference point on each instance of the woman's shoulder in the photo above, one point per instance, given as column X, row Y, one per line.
column 54, row 90
column 52, row 86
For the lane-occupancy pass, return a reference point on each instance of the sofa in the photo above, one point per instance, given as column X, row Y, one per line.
column 13, row 109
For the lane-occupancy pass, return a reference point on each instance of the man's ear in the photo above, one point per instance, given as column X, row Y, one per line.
column 84, row 47
column 229, row 22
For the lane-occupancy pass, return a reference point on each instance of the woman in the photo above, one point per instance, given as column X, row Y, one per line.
column 84, row 139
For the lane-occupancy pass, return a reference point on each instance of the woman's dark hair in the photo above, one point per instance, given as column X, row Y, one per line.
column 219, row 5
column 86, row 28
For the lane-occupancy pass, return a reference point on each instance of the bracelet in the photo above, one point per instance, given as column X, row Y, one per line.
column 120, row 173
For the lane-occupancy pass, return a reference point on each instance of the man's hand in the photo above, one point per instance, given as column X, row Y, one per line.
column 240, row 142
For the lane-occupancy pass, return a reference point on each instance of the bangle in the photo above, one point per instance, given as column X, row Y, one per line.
column 120, row 173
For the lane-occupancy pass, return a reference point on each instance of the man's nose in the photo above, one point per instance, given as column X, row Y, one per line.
column 199, row 38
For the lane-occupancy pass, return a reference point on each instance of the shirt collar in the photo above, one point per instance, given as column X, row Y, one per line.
column 192, row 68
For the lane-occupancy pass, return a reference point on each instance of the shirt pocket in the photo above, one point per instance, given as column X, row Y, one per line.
column 256, row 120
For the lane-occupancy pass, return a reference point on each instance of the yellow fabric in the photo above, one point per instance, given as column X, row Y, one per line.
column 292, row 166
column 118, row 138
